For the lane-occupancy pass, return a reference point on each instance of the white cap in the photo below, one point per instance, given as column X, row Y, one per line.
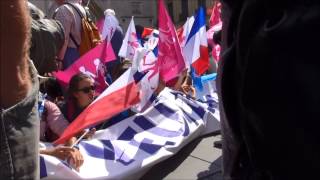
column 109, row 12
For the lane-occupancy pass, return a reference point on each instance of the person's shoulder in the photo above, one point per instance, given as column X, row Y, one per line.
column 64, row 9
column 50, row 106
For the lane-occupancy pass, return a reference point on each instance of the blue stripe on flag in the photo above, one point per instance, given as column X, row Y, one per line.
column 199, row 21
column 128, row 134
column 155, row 51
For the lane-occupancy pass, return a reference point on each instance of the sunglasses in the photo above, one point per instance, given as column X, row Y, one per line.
column 87, row 89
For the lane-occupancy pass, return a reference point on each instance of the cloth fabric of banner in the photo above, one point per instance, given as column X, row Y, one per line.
column 129, row 148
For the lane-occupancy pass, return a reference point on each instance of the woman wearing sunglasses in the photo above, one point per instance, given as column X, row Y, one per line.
column 80, row 94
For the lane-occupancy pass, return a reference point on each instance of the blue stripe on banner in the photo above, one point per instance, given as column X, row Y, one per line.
column 199, row 21
column 176, row 94
column 137, row 76
column 125, row 163
column 127, row 134
column 199, row 110
column 189, row 117
column 170, row 143
column 43, row 168
column 97, row 152
column 153, row 98
column 143, row 123
column 164, row 132
column 149, row 148
column 109, row 152
column 186, row 129
column 164, row 110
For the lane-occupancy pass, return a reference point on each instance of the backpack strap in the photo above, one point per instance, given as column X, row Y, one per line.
column 81, row 16
column 75, row 8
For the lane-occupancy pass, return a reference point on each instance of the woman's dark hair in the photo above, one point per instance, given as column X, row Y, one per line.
column 74, row 83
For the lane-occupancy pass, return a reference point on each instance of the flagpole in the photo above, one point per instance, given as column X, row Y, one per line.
column 80, row 138
column 88, row 3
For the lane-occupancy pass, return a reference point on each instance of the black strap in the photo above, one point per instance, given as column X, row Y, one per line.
column 74, row 41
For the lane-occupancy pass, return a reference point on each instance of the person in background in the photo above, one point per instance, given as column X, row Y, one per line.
column 113, row 33
column 121, row 68
column 19, row 87
column 81, row 93
column 42, row 53
column 71, row 22
column 52, row 125
column 268, row 84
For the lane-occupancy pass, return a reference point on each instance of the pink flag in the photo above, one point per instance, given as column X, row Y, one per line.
column 99, row 25
column 90, row 63
column 215, row 26
column 215, row 15
column 170, row 59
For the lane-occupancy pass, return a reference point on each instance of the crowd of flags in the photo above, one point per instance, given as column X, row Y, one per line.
column 164, row 55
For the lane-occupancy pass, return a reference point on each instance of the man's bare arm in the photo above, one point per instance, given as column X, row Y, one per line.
column 15, row 41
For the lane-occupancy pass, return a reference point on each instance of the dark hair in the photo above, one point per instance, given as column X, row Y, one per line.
column 139, row 30
column 74, row 83
column 52, row 87
column 120, row 68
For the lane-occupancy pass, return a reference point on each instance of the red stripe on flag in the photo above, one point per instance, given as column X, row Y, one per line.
column 102, row 110
column 201, row 65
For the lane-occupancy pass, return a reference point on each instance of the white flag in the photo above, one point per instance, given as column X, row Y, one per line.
column 130, row 42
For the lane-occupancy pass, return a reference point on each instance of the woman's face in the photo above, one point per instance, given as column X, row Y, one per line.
column 85, row 93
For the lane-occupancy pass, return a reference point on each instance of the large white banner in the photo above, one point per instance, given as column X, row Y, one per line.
column 129, row 148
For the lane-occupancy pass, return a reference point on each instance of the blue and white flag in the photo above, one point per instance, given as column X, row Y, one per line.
column 129, row 148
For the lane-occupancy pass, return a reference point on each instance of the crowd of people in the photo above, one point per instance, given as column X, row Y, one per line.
column 268, row 90
column 36, row 86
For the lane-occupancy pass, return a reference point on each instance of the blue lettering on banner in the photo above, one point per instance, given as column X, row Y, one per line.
column 43, row 168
